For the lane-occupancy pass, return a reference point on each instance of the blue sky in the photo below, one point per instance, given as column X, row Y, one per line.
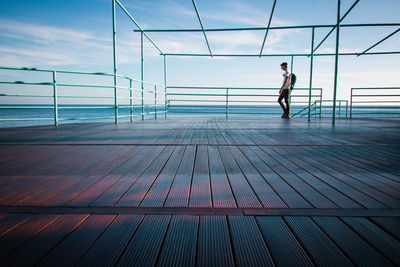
column 77, row 35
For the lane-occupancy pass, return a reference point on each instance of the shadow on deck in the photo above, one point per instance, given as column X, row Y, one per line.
column 202, row 191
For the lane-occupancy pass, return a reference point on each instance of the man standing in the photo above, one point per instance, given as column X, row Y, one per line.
column 284, row 91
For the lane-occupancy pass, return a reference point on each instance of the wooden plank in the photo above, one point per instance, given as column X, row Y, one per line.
column 320, row 248
column 200, row 194
column 107, row 249
column 94, row 191
column 378, row 182
column 328, row 166
column 383, row 242
column 389, row 224
column 143, row 248
column 179, row 247
column 158, row 192
column 267, row 196
column 71, row 249
column 23, row 232
column 283, row 245
column 103, row 168
column 214, row 245
column 248, row 243
column 244, row 194
column 330, row 192
column 285, row 192
column 134, row 195
column 309, row 193
column 316, row 169
column 11, row 221
column 179, row 192
column 221, row 191
column 33, row 250
column 116, row 190
column 352, row 244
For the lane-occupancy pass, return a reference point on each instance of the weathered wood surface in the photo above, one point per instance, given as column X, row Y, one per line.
column 201, row 191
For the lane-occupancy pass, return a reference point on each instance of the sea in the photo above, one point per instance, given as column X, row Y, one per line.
column 33, row 115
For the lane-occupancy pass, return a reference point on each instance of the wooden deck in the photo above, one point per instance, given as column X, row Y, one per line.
column 202, row 192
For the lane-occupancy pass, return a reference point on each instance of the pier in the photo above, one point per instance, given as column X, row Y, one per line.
column 202, row 192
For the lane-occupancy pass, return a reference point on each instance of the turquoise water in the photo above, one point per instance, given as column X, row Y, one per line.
column 173, row 111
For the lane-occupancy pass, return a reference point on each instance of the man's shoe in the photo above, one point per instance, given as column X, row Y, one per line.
column 285, row 116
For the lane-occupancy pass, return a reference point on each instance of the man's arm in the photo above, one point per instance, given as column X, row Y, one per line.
column 284, row 82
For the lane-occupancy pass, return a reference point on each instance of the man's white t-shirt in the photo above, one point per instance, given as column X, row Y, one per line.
column 287, row 84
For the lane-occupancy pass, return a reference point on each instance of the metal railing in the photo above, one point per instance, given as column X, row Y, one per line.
column 228, row 102
column 319, row 110
column 55, row 96
column 378, row 101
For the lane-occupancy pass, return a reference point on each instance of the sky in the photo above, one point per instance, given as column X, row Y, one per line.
column 77, row 35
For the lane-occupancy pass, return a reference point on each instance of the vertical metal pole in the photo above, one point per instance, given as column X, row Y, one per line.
column 165, row 86
column 226, row 103
column 347, row 107
column 115, row 65
column 155, row 101
column 320, row 103
column 311, row 73
column 336, row 64
column 55, row 99
column 351, row 103
column 131, row 98
column 291, row 71
column 141, row 71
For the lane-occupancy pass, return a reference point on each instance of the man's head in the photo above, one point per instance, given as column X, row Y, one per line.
column 284, row 66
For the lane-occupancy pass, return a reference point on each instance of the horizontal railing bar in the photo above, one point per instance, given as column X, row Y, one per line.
column 235, row 88
column 384, row 88
column 205, row 94
column 24, row 95
column 27, row 119
column 374, row 95
column 85, row 118
column 285, row 55
column 272, row 28
column 377, row 101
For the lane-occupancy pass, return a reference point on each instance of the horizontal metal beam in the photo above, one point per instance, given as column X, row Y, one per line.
column 387, row 37
column 202, row 27
column 269, row 24
column 282, row 55
column 329, row 33
column 137, row 25
column 273, row 28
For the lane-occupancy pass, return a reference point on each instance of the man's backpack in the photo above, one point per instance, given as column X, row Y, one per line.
column 292, row 80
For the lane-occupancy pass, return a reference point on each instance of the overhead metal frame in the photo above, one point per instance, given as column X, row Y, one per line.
column 336, row 27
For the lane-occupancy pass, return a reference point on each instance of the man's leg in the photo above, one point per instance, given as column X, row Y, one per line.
column 286, row 96
column 281, row 96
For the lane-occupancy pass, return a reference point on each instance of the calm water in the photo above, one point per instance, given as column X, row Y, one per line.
column 45, row 114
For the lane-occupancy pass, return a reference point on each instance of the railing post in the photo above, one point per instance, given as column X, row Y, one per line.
column 351, row 103
column 320, row 104
column 320, row 107
column 291, row 71
column 347, row 106
column 131, row 98
column 311, row 73
column 55, row 99
column 226, row 103
column 141, row 71
column 115, row 65
column 336, row 63
column 155, row 101
column 165, row 87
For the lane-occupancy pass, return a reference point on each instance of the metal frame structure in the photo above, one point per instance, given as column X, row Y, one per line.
column 312, row 53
